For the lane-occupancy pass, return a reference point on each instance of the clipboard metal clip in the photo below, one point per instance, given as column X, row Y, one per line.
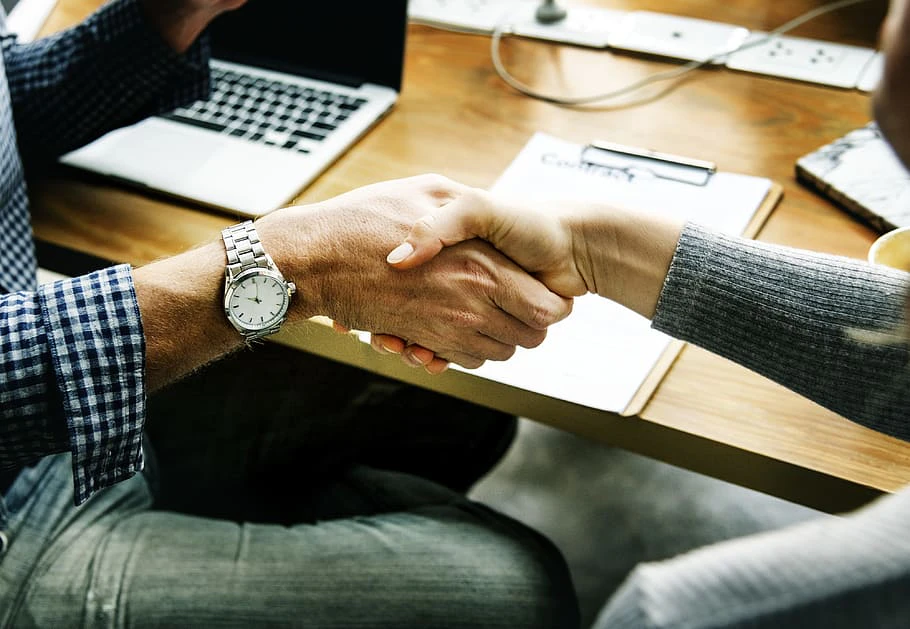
column 634, row 161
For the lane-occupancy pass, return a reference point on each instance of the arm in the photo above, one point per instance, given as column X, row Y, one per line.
column 80, row 356
column 787, row 314
column 118, row 66
column 792, row 315
column 470, row 305
column 831, row 572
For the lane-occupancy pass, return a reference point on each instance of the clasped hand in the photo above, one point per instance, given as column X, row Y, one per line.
column 469, row 304
column 544, row 243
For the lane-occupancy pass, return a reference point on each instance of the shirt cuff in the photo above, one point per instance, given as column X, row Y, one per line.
column 98, row 354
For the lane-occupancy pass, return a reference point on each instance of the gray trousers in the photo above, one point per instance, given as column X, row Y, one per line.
column 298, row 509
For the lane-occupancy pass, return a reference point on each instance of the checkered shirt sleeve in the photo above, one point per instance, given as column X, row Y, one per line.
column 109, row 71
column 73, row 377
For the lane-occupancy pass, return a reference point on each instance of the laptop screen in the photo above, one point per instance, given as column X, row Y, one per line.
column 342, row 42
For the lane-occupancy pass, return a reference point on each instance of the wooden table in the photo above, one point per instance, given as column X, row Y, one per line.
column 458, row 118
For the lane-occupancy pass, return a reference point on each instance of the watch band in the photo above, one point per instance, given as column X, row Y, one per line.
column 244, row 251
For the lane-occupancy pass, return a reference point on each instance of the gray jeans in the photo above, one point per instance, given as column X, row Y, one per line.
column 353, row 536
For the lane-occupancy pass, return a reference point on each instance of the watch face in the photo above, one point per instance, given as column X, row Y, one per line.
column 257, row 302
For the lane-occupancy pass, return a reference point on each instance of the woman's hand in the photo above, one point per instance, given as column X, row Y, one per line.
column 538, row 239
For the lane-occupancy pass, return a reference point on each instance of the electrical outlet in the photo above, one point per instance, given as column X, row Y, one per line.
column 808, row 60
column 676, row 37
column 872, row 73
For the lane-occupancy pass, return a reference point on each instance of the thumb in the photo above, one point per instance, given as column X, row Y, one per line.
column 464, row 218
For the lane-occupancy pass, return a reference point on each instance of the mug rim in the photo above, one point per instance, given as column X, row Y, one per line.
column 883, row 240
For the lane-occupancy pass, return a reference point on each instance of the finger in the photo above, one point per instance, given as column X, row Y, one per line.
column 418, row 355
column 528, row 300
column 503, row 327
column 468, row 216
column 476, row 350
column 465, row 360
column 377, row 346
column 387, row 344
column 436, row 366
column 484, row 347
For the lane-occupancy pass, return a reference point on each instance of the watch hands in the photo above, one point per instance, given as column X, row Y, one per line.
column 255, row 299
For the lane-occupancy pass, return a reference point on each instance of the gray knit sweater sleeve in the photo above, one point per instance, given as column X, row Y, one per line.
column 790, row 315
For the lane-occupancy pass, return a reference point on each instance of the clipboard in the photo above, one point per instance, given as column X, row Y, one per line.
column 728, row 202
column 684, row 170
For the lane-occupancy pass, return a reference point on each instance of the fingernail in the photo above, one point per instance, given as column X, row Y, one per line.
column 388, row 348
column 414, row 360
column 400, row 253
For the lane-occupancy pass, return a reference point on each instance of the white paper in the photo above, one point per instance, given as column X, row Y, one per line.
column 600, row 355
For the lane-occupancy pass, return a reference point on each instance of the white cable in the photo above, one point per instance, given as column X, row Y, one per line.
column 504, row 28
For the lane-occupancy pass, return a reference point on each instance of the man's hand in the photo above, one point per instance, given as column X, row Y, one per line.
column 469, row 304
column 180, row 22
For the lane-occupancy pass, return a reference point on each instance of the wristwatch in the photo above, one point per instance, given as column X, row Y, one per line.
column 256, row 295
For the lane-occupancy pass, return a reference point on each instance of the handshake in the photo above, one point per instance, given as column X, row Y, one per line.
column 441, row 272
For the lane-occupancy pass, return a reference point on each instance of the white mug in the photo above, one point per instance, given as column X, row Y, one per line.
column 892, row 249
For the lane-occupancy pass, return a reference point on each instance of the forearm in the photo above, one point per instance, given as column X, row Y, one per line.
column 624, row 255
column 181, row 299
column 182, row 316
column 791, row 315
column 787, row 314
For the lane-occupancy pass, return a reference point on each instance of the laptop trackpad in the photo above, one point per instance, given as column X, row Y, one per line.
column 150, row 151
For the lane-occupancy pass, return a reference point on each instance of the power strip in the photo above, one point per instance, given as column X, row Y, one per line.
column 663, row 35
column 676, row 37
column 585, row 26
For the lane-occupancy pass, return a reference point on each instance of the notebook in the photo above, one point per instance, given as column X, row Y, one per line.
column 294, row 86
column 861, row 174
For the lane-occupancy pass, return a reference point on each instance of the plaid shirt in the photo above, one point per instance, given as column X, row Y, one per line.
column 72, row 353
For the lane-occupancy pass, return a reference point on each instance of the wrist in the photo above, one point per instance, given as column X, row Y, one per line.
column 296, row 247
column 624, row 255
column 182, row 315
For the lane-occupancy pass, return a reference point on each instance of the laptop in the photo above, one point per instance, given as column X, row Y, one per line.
column 294, row 86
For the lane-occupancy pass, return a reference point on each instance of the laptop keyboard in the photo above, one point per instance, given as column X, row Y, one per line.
column 276, row 113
